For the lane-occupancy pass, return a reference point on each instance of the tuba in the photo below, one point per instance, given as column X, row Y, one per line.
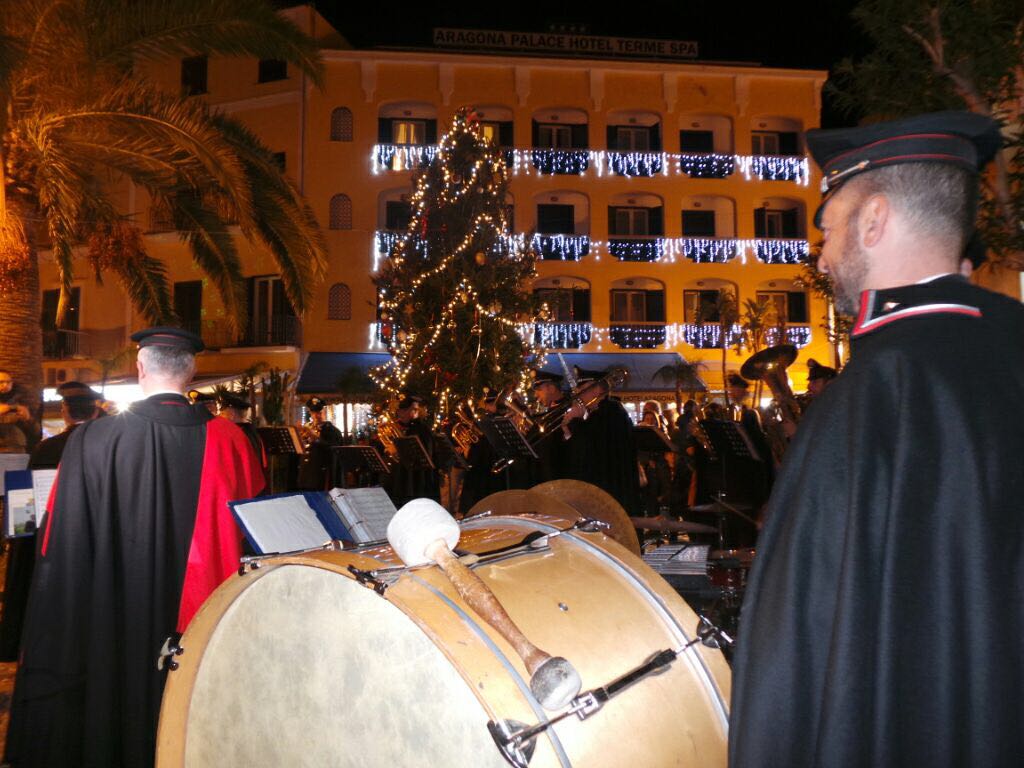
column 769, row 365
column 389, row 430
column 464, row 430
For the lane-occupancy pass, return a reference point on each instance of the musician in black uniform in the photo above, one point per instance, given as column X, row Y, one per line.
column 599, row 441
column 234, row 406
column 408, row 483
column 320, row 436
column 551, row 454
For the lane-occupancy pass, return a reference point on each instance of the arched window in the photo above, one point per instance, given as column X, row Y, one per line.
column 341, row 124
column 339, row 302
column 341, row 212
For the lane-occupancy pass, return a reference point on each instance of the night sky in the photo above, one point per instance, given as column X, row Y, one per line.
column 800, row 34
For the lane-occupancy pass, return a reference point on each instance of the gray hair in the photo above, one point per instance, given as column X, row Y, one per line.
column 170, row 363
column 938, row 199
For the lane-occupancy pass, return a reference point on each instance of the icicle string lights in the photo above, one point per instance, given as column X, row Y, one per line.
column 699, row 250
column 405, row 157
column 556, row 335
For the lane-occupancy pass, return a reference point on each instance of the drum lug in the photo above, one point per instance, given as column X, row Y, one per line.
column 516, row 751
column 367, row 579
column 170, row 649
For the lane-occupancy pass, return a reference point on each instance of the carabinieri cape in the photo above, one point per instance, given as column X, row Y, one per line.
column 138, row 533
column 883, row 621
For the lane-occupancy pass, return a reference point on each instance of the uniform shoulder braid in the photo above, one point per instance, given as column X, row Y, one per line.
column 951, row 295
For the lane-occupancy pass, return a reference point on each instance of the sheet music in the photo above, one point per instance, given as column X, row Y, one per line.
column 11, row 462
column 365, row 512
column 42, row 482
column 282, row 524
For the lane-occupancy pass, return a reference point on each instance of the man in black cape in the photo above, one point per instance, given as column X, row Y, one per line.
column 406, row 483
column 883, row 620
column 600, row 442
column 137, row 534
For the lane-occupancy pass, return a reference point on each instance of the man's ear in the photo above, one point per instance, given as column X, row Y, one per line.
column 140, row 367
column 874, row 217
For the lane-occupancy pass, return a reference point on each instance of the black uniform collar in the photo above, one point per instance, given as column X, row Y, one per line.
column 945, row 295
column 170, row 408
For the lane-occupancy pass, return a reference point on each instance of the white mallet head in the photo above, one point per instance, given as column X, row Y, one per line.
column 416, row 526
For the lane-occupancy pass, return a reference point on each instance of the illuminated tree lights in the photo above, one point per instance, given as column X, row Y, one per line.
column 454, row 286
column 709, row 165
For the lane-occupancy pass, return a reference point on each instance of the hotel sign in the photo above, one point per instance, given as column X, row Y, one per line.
column 575, row 45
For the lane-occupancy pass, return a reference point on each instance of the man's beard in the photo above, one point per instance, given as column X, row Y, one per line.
column 850, row 274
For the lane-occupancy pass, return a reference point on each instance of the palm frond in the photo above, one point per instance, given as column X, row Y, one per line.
column 213, row 249
column 144, row 279
column 149, row 31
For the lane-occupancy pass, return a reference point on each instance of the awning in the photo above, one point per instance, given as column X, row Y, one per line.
column 642, row 368
column 344, row 374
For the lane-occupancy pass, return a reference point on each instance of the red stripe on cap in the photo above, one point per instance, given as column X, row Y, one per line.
column 861, row 148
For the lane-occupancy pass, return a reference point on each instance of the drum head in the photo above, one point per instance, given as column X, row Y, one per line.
column 591, row 501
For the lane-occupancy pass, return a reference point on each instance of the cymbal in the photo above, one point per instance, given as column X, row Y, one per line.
column 671, row 526
column 715, row 506
column 591, row 501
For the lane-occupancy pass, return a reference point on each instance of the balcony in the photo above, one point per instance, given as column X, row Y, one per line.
column 778, row 168
column 62, row 345
column 782, row 250
column 636, row 163
column 561, row 161
column 797, row 335
column 709, row 335
column 709, row 250
column 402, row 157
column 637, row 248
column 561, row 247
column 561, row 335
column 280, row 331
column 707, row 166
column 645, row 335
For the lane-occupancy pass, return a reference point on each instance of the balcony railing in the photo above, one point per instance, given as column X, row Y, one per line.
column 637, row 335
column 709, row 335
column 281, row 331
column 561, row 247
column 59, row 344
column 637, row 247
column 562, row 335
column 782, row 251
column 704, row 165
column 709, row 250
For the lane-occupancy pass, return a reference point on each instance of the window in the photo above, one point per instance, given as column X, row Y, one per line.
column 787, row 306
column 556, row 219
column 774, row 143
column 634, row 306
column 408, row 132
column 697, row 142
column 341, row 212
column 776, row 222
column 193, row 75
column 272, row 319
column 491, row 133
column 701, row 306
column 272, row 69
column 339, row 302
column 631, row 221
column 698, row 223
column 341, row 124
column 49, row 318
column 397, row 214
column 566, row 305
column 188, row 304
column 554, row 136
column 632, row 139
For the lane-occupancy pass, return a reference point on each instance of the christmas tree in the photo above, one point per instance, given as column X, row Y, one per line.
column 454, row 292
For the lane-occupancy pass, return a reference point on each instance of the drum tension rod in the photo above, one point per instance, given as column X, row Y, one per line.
column 516, row 744
column 368, row 579
column 168, row 651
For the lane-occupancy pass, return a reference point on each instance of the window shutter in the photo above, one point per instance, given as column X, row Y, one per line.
column 789, row 223
column 579, row 136
column 339, row 302
column 535, row 134
column 612, row 136
column 696, row 141
column 612, row 225
column 581, row 305
column 656, row 221
column 384, row 130
column 341, row 212
column 655, row 132
column 341, row 124
column 655, row 306
column 797, row 302
column 760, row 222
column 431, row 131
column 788, row 143
column 506, row 134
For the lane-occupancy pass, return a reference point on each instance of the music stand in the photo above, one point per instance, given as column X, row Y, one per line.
column 412, row 454
column 651, row 440
column 735, row 453
column 506, row 439
column 280, row 441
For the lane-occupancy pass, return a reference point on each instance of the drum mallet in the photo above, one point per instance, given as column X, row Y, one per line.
column 422, row 532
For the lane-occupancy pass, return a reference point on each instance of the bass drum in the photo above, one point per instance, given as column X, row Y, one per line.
column 297, row 663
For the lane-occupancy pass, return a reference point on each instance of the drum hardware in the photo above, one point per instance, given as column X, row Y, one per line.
column 713, row 636
column 517, row 741
column 368, row 579
column 250, row 563
column 168, row 651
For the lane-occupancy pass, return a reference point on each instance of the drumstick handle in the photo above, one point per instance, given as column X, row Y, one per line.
column 480, row 598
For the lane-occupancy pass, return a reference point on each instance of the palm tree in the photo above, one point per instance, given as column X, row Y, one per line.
column 728, row 315
column 681, row 375
column 78, row 117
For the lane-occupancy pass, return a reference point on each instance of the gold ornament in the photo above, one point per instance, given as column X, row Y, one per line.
column 476, row 330
column 481, row 258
